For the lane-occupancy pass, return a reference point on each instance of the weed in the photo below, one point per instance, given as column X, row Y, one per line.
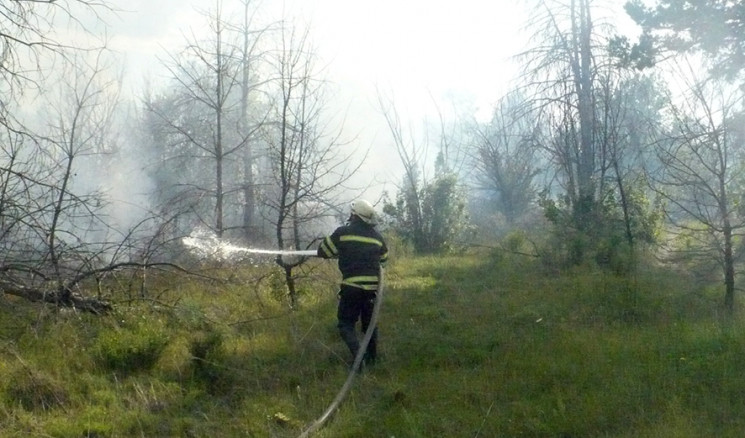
column 34, row 390
column 130, row 349
column 207, row 357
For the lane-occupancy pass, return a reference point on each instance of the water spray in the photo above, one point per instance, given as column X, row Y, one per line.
column 206, row 244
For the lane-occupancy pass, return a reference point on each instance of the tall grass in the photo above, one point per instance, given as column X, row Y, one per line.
column 474, row 345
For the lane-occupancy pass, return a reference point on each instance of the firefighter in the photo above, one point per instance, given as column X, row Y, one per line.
column 361, row 251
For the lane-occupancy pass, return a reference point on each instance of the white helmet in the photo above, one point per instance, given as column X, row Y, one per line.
column 364, row 210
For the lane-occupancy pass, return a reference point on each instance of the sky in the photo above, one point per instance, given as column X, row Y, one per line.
column 429, row 56
column 415, row 47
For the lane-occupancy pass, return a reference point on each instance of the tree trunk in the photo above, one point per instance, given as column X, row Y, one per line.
column 624, row 205
column 729, row 268
column 59, row 298
column 582, row 75
column 290, row 280
column 219, row 226
column 249, row 206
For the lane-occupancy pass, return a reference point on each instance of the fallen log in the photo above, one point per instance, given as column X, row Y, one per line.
column 65, row 299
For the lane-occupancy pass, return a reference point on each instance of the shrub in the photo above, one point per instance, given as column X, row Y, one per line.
column 130, row 350
column 207, row 354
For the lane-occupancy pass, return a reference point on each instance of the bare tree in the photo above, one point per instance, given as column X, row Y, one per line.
column 430, row 214
column 248, row 113
column 206, row 120
column 411, row 154
column 28, row 41
column 579, row 89
column 309, row 167
column 701, row 170
column 505, row 159
column 55, row 236
column 80, row 126
column 562, row 70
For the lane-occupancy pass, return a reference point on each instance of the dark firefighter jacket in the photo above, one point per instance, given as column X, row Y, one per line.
column 360, row 250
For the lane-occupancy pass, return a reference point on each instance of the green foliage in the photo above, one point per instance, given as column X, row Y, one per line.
column 132, row 348
column 516, row 241
column 431, row 218
column 639, row 55
column 713, row 28
column 398, row 246
column 695, row 250
column 207, row 359
column 601, row 232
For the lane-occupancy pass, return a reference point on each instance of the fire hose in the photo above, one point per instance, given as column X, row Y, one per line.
column 347, row 386
column 320, row 421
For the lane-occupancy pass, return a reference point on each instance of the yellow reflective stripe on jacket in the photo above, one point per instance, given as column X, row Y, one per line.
column 361, row 286
column 366, row 282
column 329, row 248
column 363, row 239
column 362, row 279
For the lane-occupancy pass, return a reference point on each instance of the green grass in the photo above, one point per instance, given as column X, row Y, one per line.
column 476, row 345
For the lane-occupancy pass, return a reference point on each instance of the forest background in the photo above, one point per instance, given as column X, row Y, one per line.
column 611, row 159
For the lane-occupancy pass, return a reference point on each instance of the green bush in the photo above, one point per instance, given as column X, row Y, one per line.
column 130, row 350
column 208, row 360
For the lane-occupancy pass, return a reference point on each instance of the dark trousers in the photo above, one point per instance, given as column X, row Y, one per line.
column 354, row 304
